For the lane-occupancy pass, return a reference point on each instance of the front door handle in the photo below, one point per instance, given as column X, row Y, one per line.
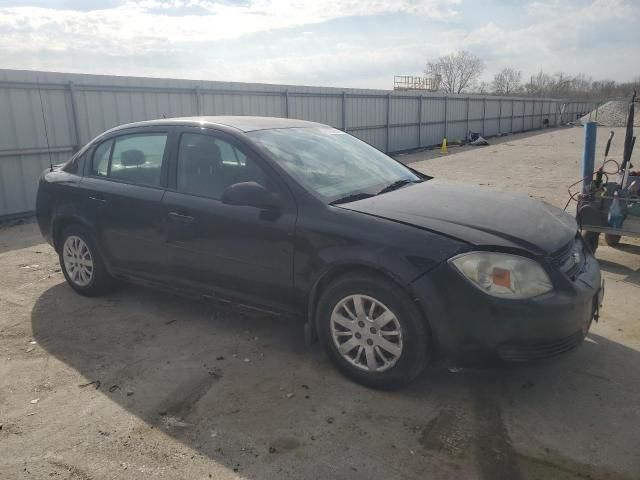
column 179, row 217
column 97, row 198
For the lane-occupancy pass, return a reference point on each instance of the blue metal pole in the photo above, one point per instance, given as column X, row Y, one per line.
column 588, row 155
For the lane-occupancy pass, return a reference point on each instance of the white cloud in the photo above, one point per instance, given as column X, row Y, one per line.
column 149, row 24
column 288, row 41
column 558, row 35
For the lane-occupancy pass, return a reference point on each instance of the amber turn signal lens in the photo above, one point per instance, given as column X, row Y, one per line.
column 501, row 277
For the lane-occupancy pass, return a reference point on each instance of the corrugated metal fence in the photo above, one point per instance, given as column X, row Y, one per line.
column 79, row 107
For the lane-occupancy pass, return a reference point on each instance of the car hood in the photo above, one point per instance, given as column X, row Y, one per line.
column 476, row 215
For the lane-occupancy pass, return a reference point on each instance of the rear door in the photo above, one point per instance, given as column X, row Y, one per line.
column 125, row 186
column 237, row 251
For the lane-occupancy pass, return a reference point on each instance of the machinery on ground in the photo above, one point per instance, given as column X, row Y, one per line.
column 609, row 201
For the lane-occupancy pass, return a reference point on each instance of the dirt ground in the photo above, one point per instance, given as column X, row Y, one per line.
column 141, row 384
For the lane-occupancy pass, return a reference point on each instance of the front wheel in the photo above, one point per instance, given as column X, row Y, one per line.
column 373, row 331
column 612, row 240
column 81, row 263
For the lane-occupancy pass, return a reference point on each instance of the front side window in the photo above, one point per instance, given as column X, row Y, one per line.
column 135, row 158
column 331, row 163
column 207, row 165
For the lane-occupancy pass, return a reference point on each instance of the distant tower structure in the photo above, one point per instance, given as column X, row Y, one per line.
column 429, row 83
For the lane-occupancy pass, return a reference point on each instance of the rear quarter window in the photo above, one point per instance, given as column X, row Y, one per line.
column 101, row 155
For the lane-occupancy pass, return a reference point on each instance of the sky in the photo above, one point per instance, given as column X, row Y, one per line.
column 342, row 43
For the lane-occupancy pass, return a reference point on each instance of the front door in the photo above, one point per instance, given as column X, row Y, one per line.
column 236, row 251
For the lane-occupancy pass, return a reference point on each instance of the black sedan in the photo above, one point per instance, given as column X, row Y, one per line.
column 388, row 267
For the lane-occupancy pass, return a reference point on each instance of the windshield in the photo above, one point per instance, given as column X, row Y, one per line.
column 331, row 163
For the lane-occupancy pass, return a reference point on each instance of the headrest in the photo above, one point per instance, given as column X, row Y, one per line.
column 204, row 152
column 132, row 158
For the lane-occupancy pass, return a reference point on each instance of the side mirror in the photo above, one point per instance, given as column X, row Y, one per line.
column 250, row 194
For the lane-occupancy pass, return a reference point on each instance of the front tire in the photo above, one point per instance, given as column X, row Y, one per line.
column 81, row 262
column 373, row 331
column 612, row 240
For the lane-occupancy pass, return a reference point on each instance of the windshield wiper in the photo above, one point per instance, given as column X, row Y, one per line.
column 396, row 185
column 352, row 198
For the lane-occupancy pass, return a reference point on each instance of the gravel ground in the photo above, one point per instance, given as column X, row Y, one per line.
column 612, row 114
column 194, row 390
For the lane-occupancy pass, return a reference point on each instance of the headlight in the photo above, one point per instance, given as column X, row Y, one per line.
column 503, row 275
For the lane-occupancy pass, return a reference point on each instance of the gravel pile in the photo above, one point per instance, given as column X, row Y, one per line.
column 612, row 114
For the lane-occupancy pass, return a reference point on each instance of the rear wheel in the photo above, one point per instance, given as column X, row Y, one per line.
column 591, row 239
column 373, row 331
column 612, row 240
column 81, row 263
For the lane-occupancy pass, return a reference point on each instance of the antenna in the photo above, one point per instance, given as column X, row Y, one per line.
column 44, row 121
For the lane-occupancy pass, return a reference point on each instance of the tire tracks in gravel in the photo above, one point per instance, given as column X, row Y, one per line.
column 469, row 427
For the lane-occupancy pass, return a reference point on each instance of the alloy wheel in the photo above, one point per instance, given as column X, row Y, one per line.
column 77, row 260
column 366, row 333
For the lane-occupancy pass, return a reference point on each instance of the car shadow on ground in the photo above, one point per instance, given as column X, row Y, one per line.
column 628, row 247
column 629, row 274
column 243, row 390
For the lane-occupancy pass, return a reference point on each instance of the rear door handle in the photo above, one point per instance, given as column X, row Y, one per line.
column 179, row 217
column 97, row 198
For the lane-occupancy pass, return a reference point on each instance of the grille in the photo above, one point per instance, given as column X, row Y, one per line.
column 539, row 351
column 565, row 258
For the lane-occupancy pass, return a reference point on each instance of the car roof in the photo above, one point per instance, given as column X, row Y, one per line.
column 240, row 122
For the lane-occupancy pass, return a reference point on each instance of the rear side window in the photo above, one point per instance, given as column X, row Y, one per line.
column 135, row 158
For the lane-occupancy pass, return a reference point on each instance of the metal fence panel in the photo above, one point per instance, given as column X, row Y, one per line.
column 366, row 112
column 78, row 107
column 316, row 109
column 373, row 136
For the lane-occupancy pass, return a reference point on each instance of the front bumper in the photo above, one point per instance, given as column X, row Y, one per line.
column 468, row 324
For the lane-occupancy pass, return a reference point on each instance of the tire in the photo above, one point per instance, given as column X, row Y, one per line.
column 395, row 358
column 591, row 239
column 91, row 277
column 612, row 240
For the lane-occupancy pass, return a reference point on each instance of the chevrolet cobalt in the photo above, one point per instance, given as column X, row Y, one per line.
column 387, row 267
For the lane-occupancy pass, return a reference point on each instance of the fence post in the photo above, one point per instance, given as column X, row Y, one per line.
column 286, row 103
column 420, row 98
column 513, row 102
column 344, row 111
column 74, row 116
column 500, row 118
column 196, row 90
column 446, row 101
column 541, row 114
column 484, row 111
column 388, row 122
column 466, row 133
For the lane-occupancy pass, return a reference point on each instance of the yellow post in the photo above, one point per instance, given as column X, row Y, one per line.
column 443, row 148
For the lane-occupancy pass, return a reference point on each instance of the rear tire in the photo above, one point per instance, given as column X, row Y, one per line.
column 373, row 331
column 612, row 240
column 81, row 262
column 591, row 239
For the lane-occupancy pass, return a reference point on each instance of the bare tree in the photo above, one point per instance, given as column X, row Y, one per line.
column 580, row 86
column 456, row 71
column 540, row 85
column 507, row 81
column 483, row 88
